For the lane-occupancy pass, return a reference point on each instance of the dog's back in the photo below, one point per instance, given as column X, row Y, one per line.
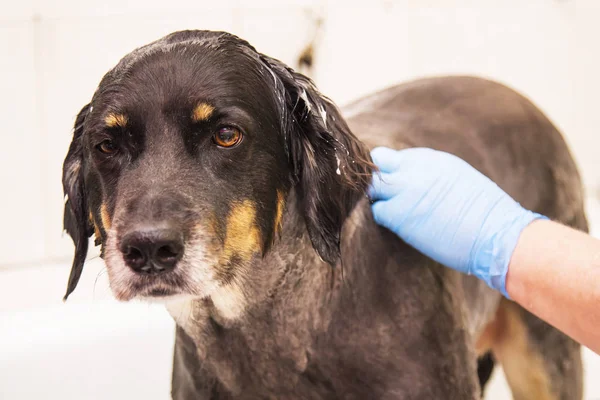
column 506, row 137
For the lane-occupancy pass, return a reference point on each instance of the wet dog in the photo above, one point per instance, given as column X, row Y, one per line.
column 221, row 181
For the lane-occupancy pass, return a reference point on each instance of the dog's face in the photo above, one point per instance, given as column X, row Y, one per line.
column 182, row 162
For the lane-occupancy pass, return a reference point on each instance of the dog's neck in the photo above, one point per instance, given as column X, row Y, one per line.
column 292, row 280
column 269, row 323
column 272, row 339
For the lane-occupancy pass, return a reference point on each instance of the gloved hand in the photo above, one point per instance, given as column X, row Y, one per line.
column 448, row 210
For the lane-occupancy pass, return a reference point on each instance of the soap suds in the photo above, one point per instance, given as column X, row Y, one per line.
column 305, row 98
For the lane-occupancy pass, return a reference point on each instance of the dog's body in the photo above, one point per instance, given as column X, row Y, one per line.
column 395, row 325
column 379, row 321
column 507, row 138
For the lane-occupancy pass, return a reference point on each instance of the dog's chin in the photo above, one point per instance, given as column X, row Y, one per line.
column 127, row 286
column 150, row 294
column 162, row 296
column 157, row 294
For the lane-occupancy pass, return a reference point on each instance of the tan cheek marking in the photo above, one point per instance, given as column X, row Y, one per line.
column 114, row 120
column 202, row 112
column 105, row 217
column 279, row 212
column 242, row 241
column 242, row 238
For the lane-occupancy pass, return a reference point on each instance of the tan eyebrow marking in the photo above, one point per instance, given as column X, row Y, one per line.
column 202, row 112
column 113, row 120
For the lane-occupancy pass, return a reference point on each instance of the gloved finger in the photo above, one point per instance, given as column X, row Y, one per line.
column 386, row 159
column 385, row 214
column 384, row 186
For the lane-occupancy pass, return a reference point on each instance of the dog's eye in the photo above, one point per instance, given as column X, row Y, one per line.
column 107, row 147
column 227, row 137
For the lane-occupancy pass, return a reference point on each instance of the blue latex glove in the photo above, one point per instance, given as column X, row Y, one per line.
column 448, row 210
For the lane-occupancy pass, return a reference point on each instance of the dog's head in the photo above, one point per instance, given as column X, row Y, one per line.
column 182, row 163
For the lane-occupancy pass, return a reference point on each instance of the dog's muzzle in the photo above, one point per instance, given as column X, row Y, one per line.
column 152, row 250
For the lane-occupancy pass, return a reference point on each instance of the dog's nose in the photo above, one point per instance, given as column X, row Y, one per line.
column 152, row 251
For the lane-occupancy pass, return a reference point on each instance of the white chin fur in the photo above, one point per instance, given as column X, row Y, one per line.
column 166, row 300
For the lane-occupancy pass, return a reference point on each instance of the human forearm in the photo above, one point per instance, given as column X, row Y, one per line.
column 554, row 272
column 451, row 212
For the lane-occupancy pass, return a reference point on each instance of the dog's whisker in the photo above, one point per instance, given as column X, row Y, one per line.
column 102, row 272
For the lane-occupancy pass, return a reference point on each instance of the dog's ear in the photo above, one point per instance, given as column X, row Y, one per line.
column 76, row 220
column 331, row 167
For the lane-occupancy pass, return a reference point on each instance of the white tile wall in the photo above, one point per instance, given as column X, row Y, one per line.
column 53, row 54
column 503, row 43
column 363, row 48
column 17, row 11
column 135, row 10
column 405, row 40
column 21, row 151
column 585, row 135
column 542, row 48
column 530, row 46
column 260, row 26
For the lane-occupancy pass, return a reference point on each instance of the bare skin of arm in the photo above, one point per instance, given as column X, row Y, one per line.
column 554, row 273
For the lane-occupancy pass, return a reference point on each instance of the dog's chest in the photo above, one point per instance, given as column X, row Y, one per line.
column 296, row 357
column 261, row 362
column 258, row 358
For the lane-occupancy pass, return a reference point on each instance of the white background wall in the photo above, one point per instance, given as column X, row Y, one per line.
column 53, row 54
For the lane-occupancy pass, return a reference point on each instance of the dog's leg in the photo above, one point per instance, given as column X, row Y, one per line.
column 485, row 367
column 190, row 379
column 539, row 362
